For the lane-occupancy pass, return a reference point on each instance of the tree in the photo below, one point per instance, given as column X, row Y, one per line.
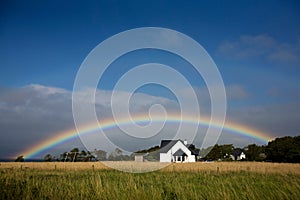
column 255, row 153
column 226, row 150
column 285, row 149
column 214, row 154
column 152, row 153
column 117, row 155
column 64, row 156
column 218, row 151
column 204, row 151
column 100, row 154
column 74, row 150
column 74, row 154
column 111, row 157
column 48, row 158
column 83, row 153
column 118, row 152
column 90, row 156
column 20, row 159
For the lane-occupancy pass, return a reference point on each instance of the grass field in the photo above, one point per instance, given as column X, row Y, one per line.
column 94, row 180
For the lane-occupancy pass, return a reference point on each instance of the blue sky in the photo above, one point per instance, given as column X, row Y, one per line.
column 255, row 44
column 54, row 37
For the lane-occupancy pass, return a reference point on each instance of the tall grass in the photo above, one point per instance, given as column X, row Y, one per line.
column 257, row 167
column 178, row 181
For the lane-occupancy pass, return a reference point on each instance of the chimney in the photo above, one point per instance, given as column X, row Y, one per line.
column 185, row 142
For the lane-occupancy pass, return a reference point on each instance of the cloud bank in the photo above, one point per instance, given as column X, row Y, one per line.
column 33, row 113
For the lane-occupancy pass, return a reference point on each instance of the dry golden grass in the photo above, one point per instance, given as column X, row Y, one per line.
column 54, row 165
column 130, row 166
column 94, row 180
column 256, row 167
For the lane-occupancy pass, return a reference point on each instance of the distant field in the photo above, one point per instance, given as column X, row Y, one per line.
column 257, row 167
column 94, row 180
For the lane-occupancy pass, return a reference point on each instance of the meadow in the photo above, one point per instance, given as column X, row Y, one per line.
column 94, row 180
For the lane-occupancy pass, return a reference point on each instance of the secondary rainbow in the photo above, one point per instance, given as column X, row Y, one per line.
column 65, row 136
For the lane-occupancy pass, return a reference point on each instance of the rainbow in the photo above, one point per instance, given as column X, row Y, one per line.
column 67, row 135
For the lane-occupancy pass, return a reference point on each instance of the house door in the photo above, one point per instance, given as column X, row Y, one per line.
column 183, row 158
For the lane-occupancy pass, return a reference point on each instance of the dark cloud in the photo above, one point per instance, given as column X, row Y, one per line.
column 31, row 114
column 276, row 119
column 34, row 113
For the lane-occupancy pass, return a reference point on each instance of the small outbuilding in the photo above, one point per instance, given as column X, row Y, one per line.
column 139, row 158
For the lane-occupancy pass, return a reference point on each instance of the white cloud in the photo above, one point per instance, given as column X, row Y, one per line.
column 283, row 55
column 260, row 46
column 236, row 92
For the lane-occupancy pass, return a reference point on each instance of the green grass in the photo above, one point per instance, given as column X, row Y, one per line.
column 111, row 184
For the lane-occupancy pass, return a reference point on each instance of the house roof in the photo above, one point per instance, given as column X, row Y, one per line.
column 237, row 152
column 179, row 152
column 192, row 148
column 195, row 152
column 166, row 145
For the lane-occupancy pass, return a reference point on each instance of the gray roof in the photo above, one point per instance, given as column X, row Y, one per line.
column 179, row 152
column 237, row 152
column 166, row 145
column 195, row 152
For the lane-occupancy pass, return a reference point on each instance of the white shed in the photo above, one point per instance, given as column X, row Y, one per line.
column 139, row 158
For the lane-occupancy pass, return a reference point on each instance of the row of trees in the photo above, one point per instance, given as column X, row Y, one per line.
column 76, row 155
column 285, row 149
column 225, row 152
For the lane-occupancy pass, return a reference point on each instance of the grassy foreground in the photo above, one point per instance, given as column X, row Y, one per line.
column 233, row 180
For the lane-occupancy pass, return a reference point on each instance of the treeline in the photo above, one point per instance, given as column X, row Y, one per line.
column 75, row 155
column 152, row 154
column 228, row 152
column 285, row 149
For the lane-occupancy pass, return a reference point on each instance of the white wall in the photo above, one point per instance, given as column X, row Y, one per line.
column 242, row 156
column 138, row 158
column 166, row 157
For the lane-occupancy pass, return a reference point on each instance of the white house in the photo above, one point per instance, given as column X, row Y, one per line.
column 176, row 151
column 242, row 156
column 238, row 155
